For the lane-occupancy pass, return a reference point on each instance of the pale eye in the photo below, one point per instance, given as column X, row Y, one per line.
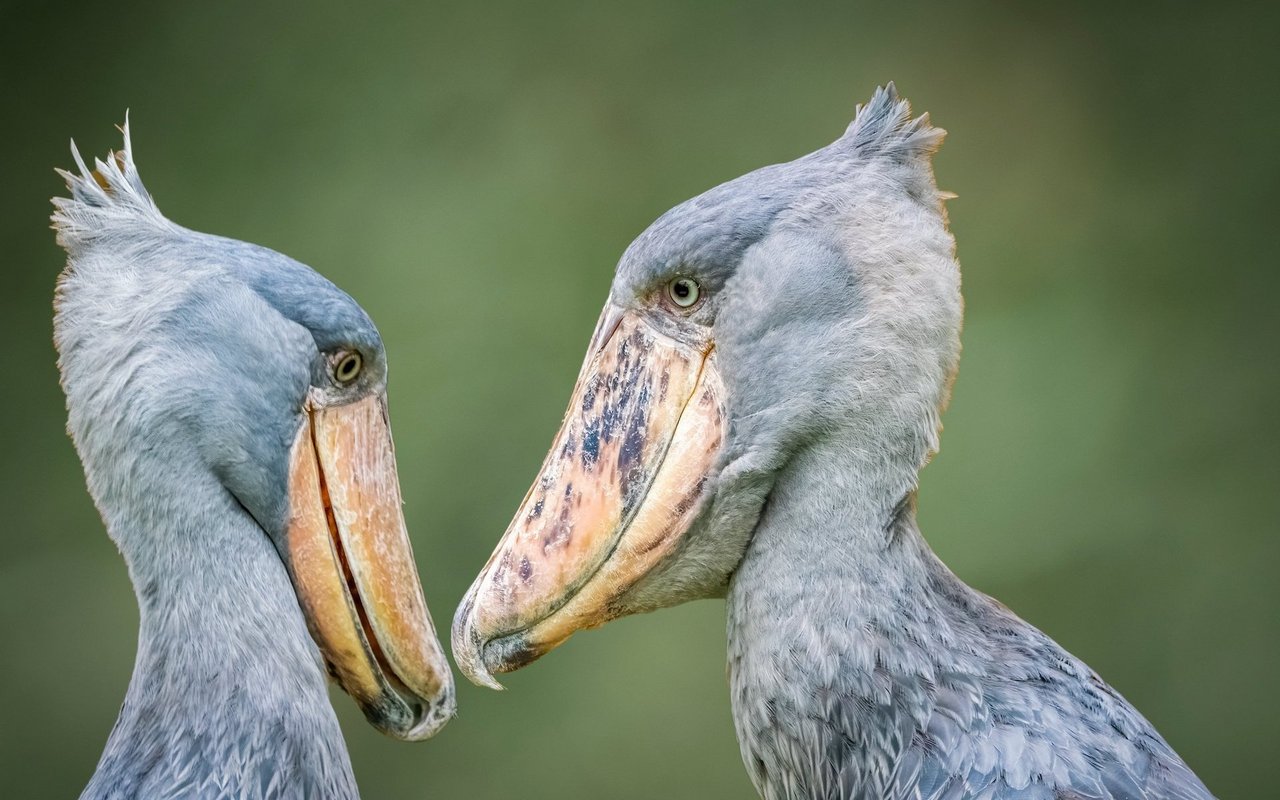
column 347, row 367
column 684, row 292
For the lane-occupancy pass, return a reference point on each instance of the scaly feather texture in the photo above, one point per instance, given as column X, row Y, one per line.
column 871, row 671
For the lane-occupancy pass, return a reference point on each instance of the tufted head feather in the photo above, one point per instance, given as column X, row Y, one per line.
column 884, row 127
column 103, row 199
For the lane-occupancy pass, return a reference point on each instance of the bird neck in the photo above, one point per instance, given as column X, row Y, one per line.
column 827, row 614
column 228, row 695
column 860, row 666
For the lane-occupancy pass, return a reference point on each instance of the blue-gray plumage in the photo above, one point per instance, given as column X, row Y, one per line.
column 228, row 406
column 779, row 351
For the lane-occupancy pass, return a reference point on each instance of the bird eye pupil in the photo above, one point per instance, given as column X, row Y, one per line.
column 683, row 292
column 348, row 367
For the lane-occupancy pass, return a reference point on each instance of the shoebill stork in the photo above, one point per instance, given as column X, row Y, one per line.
column 229, row 407
column 759, row 395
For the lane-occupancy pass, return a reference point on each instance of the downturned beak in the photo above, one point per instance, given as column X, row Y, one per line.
column 623, row 482
column 353, row 570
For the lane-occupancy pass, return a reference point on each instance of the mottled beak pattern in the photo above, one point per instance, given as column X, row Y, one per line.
column 353, row 570
column 623, row 481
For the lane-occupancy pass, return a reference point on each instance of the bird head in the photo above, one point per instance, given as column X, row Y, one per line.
column 799, row 302
column 183, row 353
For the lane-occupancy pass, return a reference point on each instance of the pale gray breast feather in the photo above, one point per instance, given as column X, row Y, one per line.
column 1051, row 737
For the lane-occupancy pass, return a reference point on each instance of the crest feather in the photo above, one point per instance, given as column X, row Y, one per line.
column 884, row 126
column 103, row 198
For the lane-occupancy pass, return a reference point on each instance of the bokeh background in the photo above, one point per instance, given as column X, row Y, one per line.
column 471, row 172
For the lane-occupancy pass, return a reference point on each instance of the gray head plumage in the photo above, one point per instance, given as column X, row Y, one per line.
column 713, row 230
column 828, row 307
column 834, row 297
column 224, row 325
column 110, row 209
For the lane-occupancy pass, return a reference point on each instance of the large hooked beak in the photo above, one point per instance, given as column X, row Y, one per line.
column 624, row 480
column 353, row 570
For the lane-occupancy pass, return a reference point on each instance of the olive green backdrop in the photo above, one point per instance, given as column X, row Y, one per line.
column 471, row 173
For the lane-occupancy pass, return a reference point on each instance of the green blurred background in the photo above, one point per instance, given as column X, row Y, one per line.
column 471, row 173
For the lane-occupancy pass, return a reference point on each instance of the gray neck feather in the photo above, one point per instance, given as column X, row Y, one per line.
column 823, row 581
column 228, row 696
column 861, row 667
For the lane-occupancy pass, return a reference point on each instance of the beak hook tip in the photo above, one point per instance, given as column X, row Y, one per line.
column 472, row 665
column 442, row 710
column 468, row 649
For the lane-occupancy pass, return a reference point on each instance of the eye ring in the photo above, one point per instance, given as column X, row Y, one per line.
column 684, row 293
column 346, row 366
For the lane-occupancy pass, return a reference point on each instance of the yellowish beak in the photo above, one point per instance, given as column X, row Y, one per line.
column 353, row 570
column 623, row 482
